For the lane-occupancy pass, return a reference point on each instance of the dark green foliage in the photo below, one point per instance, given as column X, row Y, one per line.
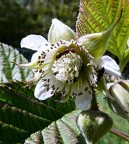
column 21, row 114
column 63, row 131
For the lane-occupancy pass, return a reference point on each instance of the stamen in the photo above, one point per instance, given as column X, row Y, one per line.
column 86, row 89
column 40, row 71
column 67, row 67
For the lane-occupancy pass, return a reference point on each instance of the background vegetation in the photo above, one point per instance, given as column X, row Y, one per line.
column 19, row 18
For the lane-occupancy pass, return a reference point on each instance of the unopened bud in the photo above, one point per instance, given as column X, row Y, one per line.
column 93, row 124
column 119, row 98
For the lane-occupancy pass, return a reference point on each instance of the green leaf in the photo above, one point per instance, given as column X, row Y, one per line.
column 8, row 69
column 22, row 114
column 124, row 61
column 99, row 15
column 63, row 131
column 35, row 138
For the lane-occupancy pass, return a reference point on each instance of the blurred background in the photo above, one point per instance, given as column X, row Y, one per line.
column 19, row 18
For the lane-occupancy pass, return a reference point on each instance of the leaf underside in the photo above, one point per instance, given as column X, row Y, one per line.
column 8, row 69
column 62, row 131
column 21, row 114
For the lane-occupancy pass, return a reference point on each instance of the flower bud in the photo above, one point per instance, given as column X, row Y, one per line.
column 59, row 31
column 119, row 98
column 93, row 124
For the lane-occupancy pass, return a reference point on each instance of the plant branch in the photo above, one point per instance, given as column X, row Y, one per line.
column 120, row 134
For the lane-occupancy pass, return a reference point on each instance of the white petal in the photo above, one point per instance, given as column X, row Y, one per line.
column 41, row 91
column 35, row 56
column 83, row 101
column 34, row 42
column 59, row 31
column 33, row 62
column 110, row 66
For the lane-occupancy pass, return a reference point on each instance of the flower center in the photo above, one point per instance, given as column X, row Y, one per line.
column 67, row 67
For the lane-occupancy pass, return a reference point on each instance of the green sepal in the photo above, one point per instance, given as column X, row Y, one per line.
column 59, row 31
column 97, row 43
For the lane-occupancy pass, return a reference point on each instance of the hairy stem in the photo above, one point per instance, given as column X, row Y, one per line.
column 94, row 104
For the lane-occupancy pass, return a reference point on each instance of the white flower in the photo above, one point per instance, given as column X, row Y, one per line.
column 61, row 65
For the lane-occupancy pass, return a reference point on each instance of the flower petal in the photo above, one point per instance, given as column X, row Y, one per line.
column 33, row 62
column 83, row 101
column 83, row 96
column 35, row 56
column 59, row 31
column 42, row 92
column 34, row 42
column 110, row 66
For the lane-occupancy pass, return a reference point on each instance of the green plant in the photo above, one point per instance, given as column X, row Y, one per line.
column 101, row 26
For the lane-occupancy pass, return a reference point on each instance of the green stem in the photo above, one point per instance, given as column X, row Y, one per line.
column 120, row 134
column 94, row 104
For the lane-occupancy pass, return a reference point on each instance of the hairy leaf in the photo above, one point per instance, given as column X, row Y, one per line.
column 21, row 114
column 99, row 15
column 63, row 131
column 8, row 69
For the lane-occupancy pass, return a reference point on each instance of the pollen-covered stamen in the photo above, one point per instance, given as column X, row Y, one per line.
column 91, row 64
column 67, row 67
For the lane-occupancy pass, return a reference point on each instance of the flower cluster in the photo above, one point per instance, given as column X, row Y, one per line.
column 64, row 65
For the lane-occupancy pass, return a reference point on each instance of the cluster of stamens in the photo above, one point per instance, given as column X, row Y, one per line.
column 86, row 89
column 41, row 58
column 70, row 72
column 67, row 66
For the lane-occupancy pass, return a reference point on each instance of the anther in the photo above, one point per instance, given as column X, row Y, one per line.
column 40, row 70
column 58, row 44
column 53, row 87
column 56, row 73
column 61, row 41
column 89, row 92
column 86, row 88
column 52, row 92
column 39, row 57
column 42, row 61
